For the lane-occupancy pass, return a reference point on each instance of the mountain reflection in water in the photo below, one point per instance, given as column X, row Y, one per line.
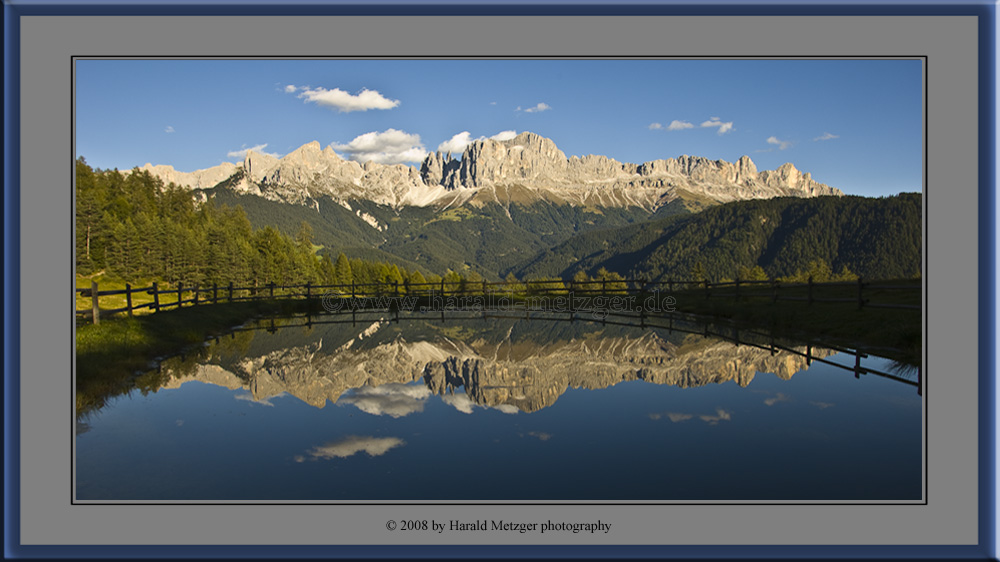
column 532, row 410
column 507, row 364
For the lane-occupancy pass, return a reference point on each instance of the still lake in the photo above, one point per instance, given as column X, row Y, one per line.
column 503, row 410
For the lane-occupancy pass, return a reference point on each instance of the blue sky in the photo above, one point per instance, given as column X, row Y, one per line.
column 853, row 124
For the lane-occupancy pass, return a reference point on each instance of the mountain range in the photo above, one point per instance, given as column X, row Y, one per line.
column 523, row 169
column 520, row 206
column 509, row 365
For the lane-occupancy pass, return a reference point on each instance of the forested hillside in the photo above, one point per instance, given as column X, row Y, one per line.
column 872, row 237
column 488, row 239
column 132, row 227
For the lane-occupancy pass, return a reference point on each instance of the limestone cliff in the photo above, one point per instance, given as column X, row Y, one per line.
column 524, row 375
column 525, row 168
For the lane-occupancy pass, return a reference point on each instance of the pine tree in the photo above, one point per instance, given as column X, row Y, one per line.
column 342, row 271
column 698, row 272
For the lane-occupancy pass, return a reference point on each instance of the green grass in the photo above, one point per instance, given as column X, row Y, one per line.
column 892, row 333
column 110, row 354
column 111, row 302
column 456, row 215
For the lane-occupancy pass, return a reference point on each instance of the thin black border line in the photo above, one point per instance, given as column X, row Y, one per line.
column 923, row 282
column 924, row 399
column 72, row 291
column 500, row 57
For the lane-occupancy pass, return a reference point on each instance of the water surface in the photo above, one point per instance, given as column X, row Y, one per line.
column 502, row 410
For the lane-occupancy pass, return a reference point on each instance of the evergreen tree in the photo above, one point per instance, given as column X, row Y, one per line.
column 342, row 271
column 755, row 273
column 698, row 272
column 416, row 281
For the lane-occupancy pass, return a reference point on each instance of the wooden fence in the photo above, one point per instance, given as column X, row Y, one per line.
column 194, row 295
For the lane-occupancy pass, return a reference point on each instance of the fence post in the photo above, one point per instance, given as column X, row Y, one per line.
column 128, row 297
column 215, row 293
column 395, row 288
column 93, row 301
column 271, row 288
column 604, row 286
column 179, row 303
column 861, row 300
column 308, row 290
column 442, row 286
column 352, row 289
column 484, row 287
column 196, row 293
column 230, row 291
column 774, row 284
column 810, row 289
column 707, row 294
column 737, row 287
column 156, row 297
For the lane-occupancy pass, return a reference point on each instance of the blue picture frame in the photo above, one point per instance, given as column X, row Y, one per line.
column 987, row 276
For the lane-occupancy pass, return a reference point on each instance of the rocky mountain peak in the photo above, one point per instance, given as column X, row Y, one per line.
column 256, row 164
column 536, row 162
column 527, row 160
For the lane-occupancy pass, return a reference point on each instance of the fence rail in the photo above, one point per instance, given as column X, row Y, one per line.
column 195, row 295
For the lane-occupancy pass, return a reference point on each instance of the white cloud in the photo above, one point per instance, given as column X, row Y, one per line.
column 456, row 143
column 248, row 397
column 676, row 125
column 655, row 126
column 460, row 402
column 344, row 101
column 464, row 404
column 290, row 89
column 242, row 152
column 351, row 445
column 391, row 146
column 504, row 135
column 821, row 405
column 827, row 136
column 782, row 145
column 779, row 397
column 715, row 122
column 542, row 106
column 720, row 415
column 169, row 129
column 677, row 417
column 394, row 399
column 493, row 103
